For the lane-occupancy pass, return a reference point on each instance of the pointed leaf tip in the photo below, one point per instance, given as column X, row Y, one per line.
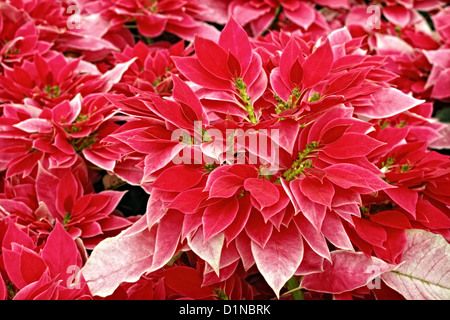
column 425, row 271
column 280, row 257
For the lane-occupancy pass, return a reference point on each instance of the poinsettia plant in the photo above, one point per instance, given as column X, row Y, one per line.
column 224, row 149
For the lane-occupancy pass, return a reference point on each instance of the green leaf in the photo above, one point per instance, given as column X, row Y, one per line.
column 443, row 114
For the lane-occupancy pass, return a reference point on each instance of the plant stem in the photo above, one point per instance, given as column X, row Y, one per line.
column 273, row 25
column 294, row 287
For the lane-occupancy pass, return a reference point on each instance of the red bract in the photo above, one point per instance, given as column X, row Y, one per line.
column 183, row 282
column 153, row 68
column 403, row 14
column 440, row 75
column 154, row 141
column 345, row 76
column 408, row 167
column 182, row 18
column 233, row 212
column 23, row 45
column 62, row 27
column 57, row 136
column 416, row 124
column 406, row 61
column 83, row 213
column 190, row 150
column 44, row 272
column 326, row 157
column 441, row 23
column 50, row 80
column 230, row 214
column 404, row 42
column 229, row 72
column 262, row 15
column 44, row 12
column 412, row 204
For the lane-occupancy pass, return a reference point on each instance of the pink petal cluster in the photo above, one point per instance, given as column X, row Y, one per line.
column 283, row 147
